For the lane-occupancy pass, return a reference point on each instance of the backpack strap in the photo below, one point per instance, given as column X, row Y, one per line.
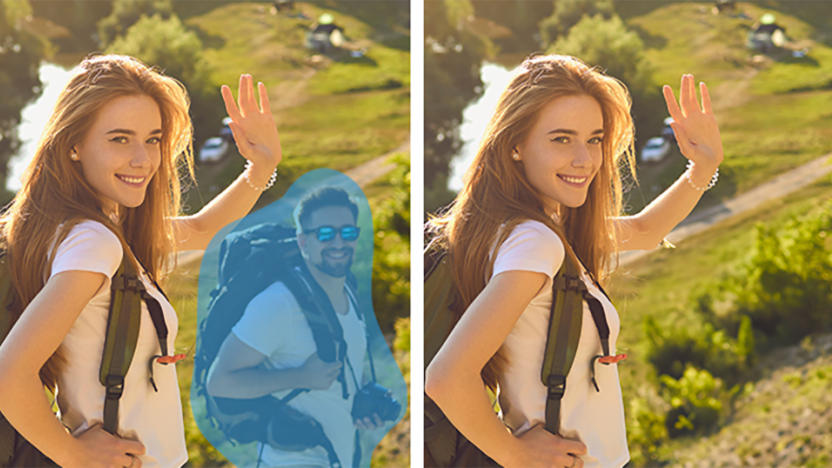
column 123, row 323
column 562, row 342
column 120, row 340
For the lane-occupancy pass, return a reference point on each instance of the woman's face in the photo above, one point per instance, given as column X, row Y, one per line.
column 562, row 152
column 121, row 152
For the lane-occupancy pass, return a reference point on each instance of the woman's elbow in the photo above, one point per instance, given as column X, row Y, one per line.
column 437, row 382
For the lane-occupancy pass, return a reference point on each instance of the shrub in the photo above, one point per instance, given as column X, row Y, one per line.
column 696, row 401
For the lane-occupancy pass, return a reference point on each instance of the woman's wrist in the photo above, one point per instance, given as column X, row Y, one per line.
column 258, row 176
column 700, row 176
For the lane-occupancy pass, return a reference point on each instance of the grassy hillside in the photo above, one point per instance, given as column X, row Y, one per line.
column 773, row 110
column 333, row 110
column 665, row 286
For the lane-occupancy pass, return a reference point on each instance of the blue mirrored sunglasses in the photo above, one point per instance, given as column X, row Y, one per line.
column 327, row 233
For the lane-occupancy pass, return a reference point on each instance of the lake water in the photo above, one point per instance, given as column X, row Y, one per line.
column 475, row 118
column 34, row 117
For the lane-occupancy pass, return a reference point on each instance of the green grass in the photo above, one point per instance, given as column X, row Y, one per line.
column 664, row 284
column 774, row 113
column 334, row 111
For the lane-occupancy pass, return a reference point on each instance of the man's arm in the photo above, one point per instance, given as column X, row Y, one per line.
column 238, row 372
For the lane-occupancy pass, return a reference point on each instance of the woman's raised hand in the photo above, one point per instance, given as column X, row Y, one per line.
column 542, row 449
column 253, row 126
column 695, row 127
column 98, row 448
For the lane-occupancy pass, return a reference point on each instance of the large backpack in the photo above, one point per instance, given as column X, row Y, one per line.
column 273, row 249
column 127, row 292
column 445, row 446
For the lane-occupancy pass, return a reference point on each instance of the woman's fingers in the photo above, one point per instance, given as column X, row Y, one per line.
column 672, row 105
column 230, row 105
column 706, row 98
column 265, row 107
column 240, row 138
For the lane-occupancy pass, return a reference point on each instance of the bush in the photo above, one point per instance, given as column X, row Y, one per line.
column 568, row 13
column 646, row 431
column 672, row 349
column 783, row 285
column 696, row 401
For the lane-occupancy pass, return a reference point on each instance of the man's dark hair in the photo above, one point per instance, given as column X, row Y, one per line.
column 325, row 197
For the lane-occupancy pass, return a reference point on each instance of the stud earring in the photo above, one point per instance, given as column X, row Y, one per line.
column 74, row 156
column 515, row 156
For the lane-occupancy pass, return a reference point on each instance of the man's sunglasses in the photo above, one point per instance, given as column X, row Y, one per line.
column 327, row 233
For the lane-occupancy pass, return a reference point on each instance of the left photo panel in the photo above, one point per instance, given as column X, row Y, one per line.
column 205, row 233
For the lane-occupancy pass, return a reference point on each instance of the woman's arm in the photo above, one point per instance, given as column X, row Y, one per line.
column 238, row 373
column 697, row 134
column 258, row 141
column 453, row 379
column 30, row 343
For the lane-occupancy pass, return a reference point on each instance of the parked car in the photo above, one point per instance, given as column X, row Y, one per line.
column 213, row 149
column 656, row 149
column 667, row 130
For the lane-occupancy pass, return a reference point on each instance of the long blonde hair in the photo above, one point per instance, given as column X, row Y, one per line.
column 496, row 192
column 55, row 196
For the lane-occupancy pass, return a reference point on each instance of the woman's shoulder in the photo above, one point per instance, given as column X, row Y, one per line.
column 531, row 246
column 89, row 245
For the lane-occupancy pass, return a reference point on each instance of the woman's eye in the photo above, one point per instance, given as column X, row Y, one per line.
column 154, row 140
column 119, row 139
column 596, row 140
column 561, row 139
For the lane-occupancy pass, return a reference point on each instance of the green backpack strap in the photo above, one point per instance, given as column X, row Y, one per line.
column 122, row 335
column 562, row 342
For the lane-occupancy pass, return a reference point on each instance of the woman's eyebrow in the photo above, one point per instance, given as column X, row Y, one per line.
column 131, row 132
column 573, row 132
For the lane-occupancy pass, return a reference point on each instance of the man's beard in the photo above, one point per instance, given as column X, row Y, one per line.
column 337, row 269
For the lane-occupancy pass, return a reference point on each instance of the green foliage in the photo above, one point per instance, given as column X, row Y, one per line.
column 696, row 401
column 126, row 13
column 609, row 44
column 521, row 16
column 646, row 431
column 21, row 51
column 391, row 265
column 672, row 349
column 568, row 13
column 783, row 284
column 167, row 44
column 453, row 55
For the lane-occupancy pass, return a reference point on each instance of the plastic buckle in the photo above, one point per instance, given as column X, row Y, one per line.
column 556, row 385
column 114, row 386
column 572, row 282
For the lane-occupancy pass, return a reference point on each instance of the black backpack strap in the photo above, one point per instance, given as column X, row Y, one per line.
column 123, row 323
column 120, row 340
column 562, row 342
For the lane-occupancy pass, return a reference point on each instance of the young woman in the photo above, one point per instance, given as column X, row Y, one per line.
column 103, row 185
column 545, row 184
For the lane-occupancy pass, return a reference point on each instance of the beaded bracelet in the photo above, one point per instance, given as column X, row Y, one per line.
column 268, row 185
column 710, row 185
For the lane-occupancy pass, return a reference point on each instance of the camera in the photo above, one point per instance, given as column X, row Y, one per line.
column 375, row 399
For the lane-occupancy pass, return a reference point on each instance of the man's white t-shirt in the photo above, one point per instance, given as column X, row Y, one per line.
column 274, row 325
column 154, row 418
column 595, row 418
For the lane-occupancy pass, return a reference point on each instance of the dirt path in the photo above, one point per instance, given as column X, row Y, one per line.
column 778, row 187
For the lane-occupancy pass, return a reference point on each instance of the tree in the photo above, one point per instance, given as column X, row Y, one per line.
column 126, row 13
column 21, row 51
column 620, row 52
column 167, row 44
column 453, row 55
column 568, row 13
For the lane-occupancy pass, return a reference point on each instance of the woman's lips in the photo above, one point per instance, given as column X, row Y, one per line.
column 575, row 181
column 133, row 181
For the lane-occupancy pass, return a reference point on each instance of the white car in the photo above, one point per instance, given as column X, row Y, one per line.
column 655, row 150
column 213, row 149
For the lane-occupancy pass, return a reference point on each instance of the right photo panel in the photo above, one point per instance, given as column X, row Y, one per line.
column 627, row 259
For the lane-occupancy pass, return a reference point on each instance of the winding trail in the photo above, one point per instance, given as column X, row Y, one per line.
column 777, row 187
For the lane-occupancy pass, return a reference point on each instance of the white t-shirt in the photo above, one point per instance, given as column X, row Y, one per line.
column 595, row 418
column 274, row 325
column 153, row 418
